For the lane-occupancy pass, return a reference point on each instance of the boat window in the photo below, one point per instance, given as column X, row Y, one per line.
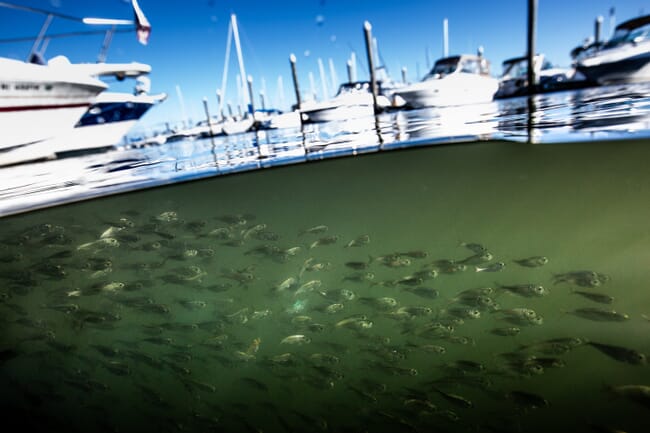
column 623, row 36
column 443, row 67
column 471, row 66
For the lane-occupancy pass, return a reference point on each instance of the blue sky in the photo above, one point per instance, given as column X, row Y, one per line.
column 188, row 38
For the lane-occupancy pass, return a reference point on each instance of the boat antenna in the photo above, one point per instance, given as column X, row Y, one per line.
column 445, row 38
column 612, row 21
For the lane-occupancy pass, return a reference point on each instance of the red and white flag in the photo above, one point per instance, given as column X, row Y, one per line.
column 143, row 28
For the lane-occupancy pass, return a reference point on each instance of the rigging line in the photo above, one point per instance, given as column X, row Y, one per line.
column 62, row 35
column 40, row 11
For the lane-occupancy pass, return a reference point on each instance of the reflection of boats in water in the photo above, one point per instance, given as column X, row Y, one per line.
column 454, row 80
column 624, row 58
column 39, row 101
column 353, row 100
column 471, row 122
column 514, row 79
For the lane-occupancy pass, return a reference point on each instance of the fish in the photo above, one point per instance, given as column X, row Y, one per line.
column 455, row 399
column 357, row 265
column 521, row 316
column 333, row 308
column 423, row 292
column 358, row 241
column 581, row 278
column 100, row 243
column 526, row 290
column 598, row 315
column 509, row 331
column 203, row 386
column 414, row 254
column 494, row 267
column 314, row 230
column 601, row 298
column 64, row 308
column 464, row 313
column 637, row 393
column 285, row 284
column 245, row 234
column 477, row 259
column 308, row 287
column 476, row 248
column 297, row 339
column 532, row 262
column 359, row 277
column 382, row 303
column 327, row 240
column 338, row 295
column 415, row 310
column 619, row 353
column 527, row 399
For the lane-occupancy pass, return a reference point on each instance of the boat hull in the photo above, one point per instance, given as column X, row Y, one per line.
column 37, row 102
column 608, row 69
column 454, row 89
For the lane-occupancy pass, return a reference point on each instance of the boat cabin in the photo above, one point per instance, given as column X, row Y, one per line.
column 469, row 64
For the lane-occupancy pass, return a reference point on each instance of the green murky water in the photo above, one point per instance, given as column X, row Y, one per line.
column 183, row 326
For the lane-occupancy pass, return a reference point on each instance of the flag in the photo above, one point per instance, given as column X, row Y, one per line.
column 143, row 28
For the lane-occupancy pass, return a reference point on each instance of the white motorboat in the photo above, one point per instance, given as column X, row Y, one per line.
column 455, row 80
column 353, row 100
column 39, row 101
column 514, row 80
column 624, row 58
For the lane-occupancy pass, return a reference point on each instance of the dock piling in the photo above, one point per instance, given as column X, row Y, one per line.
column 367, row 28
column 294, row 74
column 598, row 25
column 207, row 115
column 532, row 35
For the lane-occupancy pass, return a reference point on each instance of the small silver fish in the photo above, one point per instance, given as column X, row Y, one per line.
column 359, row 241
column 314, row 230
column 493, row 267
column 532, row 262
column 599, row 315
column 297, row 339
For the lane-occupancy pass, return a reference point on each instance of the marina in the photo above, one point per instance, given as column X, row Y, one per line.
column 453, row 253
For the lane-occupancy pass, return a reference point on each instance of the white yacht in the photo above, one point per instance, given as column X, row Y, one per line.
column 104, row 124
column 624, row 58
column 39, row 102
column 112, row 114
column 455, row 80
column 514, row 79
column 353, row 100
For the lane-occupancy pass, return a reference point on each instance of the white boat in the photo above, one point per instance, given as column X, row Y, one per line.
column 514, row 79
column 455, row 80
column 624, row 58
column 232, row 126
column 276, row 119
column 39, row 101
column 353, row 100
column 103, row 126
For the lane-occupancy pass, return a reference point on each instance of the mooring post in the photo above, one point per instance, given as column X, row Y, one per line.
column 404, row 74
column 349, row 65
column 251, row 107
column 532, row 35
column 294, row 74
column 207, row 115
column 367, row 30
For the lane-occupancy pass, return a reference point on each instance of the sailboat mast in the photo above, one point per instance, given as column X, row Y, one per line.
column 225, row 69
column 242, row 70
